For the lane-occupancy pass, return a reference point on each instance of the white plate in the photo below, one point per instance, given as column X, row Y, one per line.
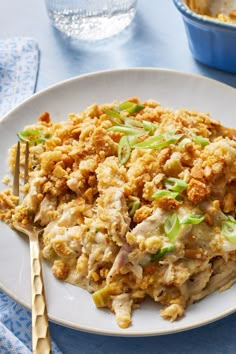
column 69, row 305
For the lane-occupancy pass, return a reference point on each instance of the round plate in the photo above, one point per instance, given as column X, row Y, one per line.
column 69, row 305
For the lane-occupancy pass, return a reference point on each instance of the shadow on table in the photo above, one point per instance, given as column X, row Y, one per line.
column 133, row 47
column 220, row 75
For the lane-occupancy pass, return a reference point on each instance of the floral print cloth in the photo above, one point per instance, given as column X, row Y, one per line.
column 15, row 328
column 19, row 60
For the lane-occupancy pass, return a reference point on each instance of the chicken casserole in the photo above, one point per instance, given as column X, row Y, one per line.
column 135, row 200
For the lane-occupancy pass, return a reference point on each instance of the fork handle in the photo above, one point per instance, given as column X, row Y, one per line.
column 40, row 327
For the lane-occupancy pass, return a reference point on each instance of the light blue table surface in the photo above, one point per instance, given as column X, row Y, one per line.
column 155, row 39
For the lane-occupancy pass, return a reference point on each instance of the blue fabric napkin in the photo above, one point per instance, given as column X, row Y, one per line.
column 19, row 61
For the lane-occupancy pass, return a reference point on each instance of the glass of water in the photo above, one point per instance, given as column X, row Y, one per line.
column 91, row 20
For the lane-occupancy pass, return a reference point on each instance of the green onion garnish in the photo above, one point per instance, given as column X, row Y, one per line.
column 132, row 122
column 124, row 150
column 149, row 126
column 148, row 144
column 162, row 252
column 175, row 184
column 172, row 226
column 231, row 218
column 150, row 141
column 158, row 142
column 127, row 130
column 133, row 139
column 163, row 193
column 200, row 140
column 133, row 206
column 127, row 120
column 192, row 219
column 229, row 230
column 112, row 113
column 171, row 135
column 130, row 107
column 32, row 136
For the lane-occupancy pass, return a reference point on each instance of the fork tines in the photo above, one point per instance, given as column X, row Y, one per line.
column 16, row 176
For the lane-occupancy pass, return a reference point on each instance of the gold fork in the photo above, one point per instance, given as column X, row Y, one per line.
column 40, row 327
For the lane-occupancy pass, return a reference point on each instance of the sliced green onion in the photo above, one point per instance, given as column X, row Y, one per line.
column 200, row 140
column 32, row 136
column 162, row 252
column 184, row 142
column 175, row 184
column 132, row 122
column 150, row 143
column 133, row 206
column 231, row 218
column 229, row 230
column 149, row 126
column 127, row 120
column 130, row 107
column 126, row 130
column 115, row 122
column 124, row 150
column 172, row 135
column 101, row 296
column 112, row 115
column 163, row 193
column 192, row 219
column 172, row 226
column 146, row 144
column 133, row 139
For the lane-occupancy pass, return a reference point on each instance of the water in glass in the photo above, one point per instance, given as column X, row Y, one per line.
column 91, row 19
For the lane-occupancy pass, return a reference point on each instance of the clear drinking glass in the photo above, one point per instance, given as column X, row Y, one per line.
column 91, row 19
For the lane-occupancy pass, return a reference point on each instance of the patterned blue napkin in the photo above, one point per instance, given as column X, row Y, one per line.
column 15, row 328
column 19, row 60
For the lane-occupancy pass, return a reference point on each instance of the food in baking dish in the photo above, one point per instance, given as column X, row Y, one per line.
column 205, row 8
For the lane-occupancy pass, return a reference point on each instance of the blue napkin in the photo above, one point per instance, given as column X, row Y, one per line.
column 19, row 61
column 15, row 328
